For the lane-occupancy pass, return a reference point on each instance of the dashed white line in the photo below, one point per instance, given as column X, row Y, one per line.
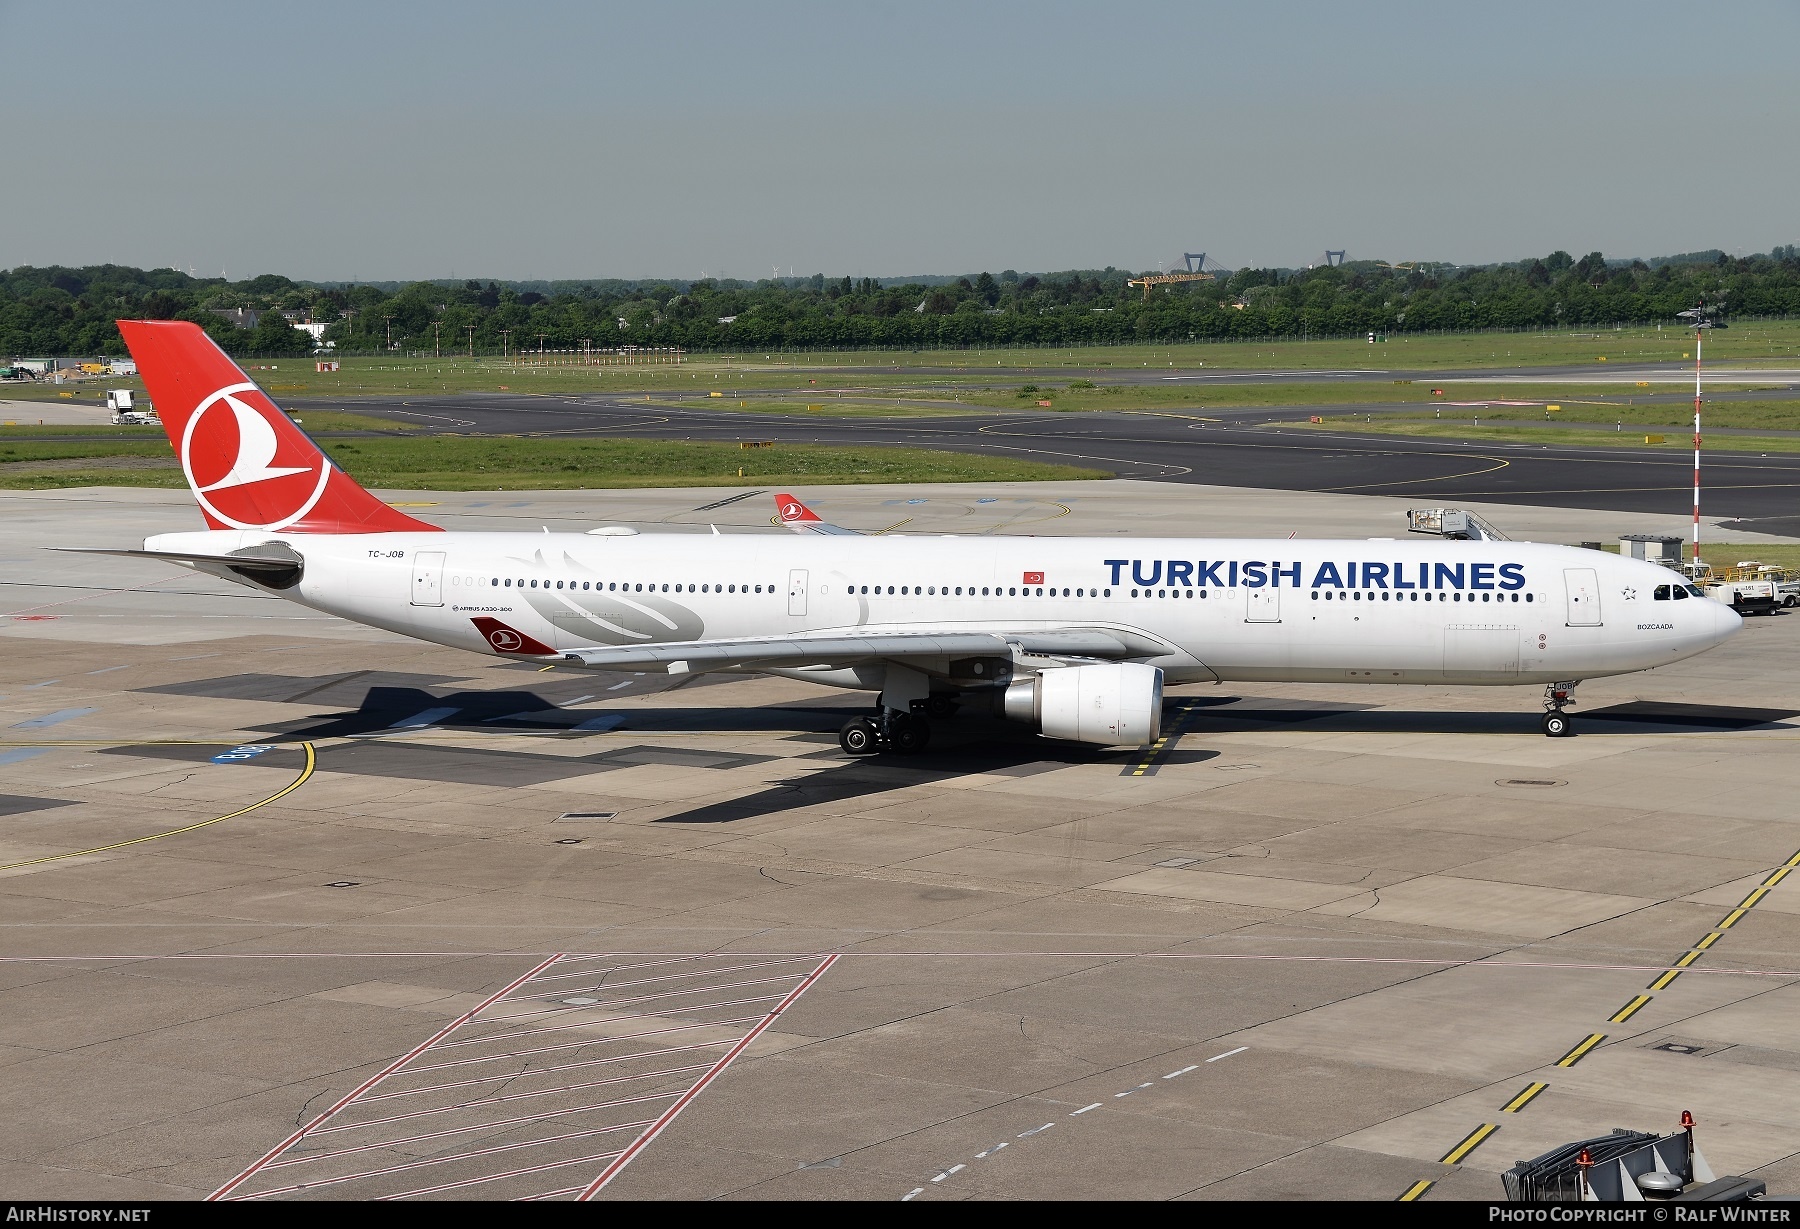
column 1033, row 1131
column 1183, row 1071
column 1084, row 1109
column 1227, row 1054
column 913, row 1194
column 620, row 686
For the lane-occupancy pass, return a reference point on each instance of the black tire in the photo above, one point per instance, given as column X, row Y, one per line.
column 859, row 737
column 1556, row 725
column 910, row 735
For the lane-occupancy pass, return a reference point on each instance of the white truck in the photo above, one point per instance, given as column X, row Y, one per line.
column 126, row 414
column 1749, row 588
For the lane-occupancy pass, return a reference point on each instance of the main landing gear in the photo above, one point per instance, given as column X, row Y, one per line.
column 886, row 731
column 1556, row 721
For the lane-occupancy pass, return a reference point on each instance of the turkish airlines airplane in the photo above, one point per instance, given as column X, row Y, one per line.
column 1074, row 637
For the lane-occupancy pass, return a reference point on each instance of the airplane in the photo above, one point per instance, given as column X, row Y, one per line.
column 1073, row 637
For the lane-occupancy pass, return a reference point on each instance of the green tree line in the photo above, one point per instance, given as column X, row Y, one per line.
column 68, row 311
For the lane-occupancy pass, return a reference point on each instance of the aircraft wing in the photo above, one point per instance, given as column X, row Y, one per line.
column 852, row 648
column 799, row 518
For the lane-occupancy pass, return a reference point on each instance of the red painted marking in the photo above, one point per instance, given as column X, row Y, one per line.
column 642, row 998
column 375, row 1079
column 656, row 1128
column 449, row 1131
column 589, row 1062
column 517, row 1096
column 441, row 1160
column 511, row 1173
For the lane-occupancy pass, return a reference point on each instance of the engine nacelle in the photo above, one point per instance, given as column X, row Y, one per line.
column 1111, row 705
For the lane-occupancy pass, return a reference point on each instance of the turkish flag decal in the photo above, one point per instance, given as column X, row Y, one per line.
column 1033, row 578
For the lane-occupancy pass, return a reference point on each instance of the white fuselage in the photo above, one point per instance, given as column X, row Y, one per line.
column 1484, row 612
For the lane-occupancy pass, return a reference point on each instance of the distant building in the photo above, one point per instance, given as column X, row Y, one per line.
column 124, row 367
column 727, row 319
column 243, row 317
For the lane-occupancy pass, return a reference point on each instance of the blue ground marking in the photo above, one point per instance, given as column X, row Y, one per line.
column 238, row 755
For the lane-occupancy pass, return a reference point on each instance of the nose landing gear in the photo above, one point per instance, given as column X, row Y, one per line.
column 1556, row 721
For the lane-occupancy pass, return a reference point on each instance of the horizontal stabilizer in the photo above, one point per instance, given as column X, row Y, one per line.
column 268, row 561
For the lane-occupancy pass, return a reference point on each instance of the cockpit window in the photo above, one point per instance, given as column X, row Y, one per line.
column 1681, row 593
column 1662, row 593
column 1693, row 591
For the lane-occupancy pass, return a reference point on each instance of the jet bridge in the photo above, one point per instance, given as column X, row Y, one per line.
column 1454, row 523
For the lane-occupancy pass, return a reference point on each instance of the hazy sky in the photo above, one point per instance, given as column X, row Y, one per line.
column 376, row 139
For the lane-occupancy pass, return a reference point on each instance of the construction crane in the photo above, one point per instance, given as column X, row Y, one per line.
column 1152, row 280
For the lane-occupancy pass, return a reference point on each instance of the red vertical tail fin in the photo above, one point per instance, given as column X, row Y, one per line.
column 247, row 463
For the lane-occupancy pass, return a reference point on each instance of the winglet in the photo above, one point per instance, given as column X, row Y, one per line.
column 796, row 516
column 793, row 512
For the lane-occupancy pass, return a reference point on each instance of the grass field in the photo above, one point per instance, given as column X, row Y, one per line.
column 456, row 463
column 397, row 375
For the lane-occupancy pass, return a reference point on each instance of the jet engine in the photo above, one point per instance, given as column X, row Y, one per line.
column 1109, row 705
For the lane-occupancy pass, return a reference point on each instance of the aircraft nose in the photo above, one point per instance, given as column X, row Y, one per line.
column 1726, row 622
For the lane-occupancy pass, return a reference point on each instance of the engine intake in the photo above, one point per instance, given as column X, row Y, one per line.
column 1110, row 705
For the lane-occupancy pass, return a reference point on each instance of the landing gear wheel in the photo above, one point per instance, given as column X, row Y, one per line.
column 858, row 737
column 909, row 735
column 941, row 706
column 1556, row 725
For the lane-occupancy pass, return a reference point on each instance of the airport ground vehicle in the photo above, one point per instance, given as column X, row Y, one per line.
column 1749, row 588
column 1074, row 637
column 126, row 413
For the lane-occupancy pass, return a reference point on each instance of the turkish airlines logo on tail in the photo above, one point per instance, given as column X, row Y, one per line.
column 506, row 640
column 792, row 512
column 229, row 451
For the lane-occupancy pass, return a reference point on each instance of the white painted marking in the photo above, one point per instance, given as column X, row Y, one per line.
column 914, row 1193
column 620, row 686
column 419, row 721
column 574, row 702
column 1183, row 1071
column 1035, row 1131
column 954, row 1169
column 108, row 670
column 1084, row 1109
column 1227, row 1054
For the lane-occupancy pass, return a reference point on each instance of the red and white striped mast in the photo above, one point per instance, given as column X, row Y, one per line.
column 1700, row 315
column 1699, row 333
